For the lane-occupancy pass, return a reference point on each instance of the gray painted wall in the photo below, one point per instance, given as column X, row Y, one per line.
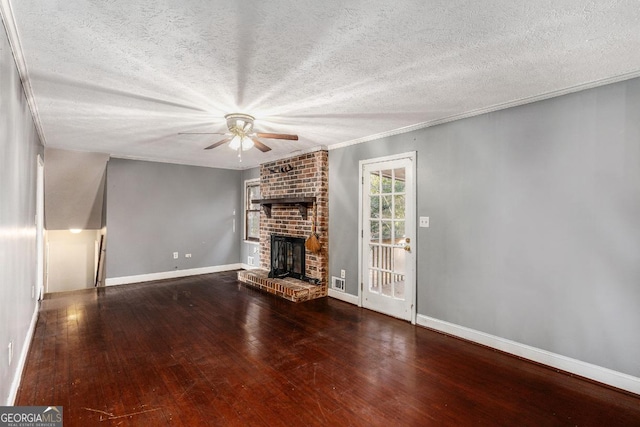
column 74, row 189
column 19, row 147
column 535, row 222
column 155, row 209
column 247, row 249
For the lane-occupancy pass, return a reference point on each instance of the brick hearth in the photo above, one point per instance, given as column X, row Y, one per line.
column 296, row 177
column 292, row 289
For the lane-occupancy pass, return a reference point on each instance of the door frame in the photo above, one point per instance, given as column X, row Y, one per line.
column 39, row 291
column 411, row 227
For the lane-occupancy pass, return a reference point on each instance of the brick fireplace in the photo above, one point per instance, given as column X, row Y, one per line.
column 290, row 188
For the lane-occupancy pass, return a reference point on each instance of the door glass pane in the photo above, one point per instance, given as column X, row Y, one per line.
column 387, row 181
column 385, row 258
column 398, row 183
column 386, row 287
column 375, row 231
column 374, row 251
column 399, row 206
column 374, row 183
column 386, row 206
column 374, row 204
column 398, row 231
column 386, row 232
column 399, row 257
column 373, row 281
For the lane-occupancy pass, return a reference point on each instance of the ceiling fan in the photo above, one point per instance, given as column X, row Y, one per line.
column 241, row 136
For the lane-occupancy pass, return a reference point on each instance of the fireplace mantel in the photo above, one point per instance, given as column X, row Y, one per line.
column 302, row 203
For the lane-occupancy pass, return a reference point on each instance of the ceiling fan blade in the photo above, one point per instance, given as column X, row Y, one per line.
column 224, row 141
column 259, row 145
column 202, row 133
column 277, row 136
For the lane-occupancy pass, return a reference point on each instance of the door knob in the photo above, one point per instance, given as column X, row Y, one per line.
column 407, row 248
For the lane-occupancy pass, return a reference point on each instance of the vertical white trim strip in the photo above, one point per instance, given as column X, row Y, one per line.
column 361, row 165
column 40, row 228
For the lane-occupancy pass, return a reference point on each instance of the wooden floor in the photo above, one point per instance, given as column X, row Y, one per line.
column 206, row 350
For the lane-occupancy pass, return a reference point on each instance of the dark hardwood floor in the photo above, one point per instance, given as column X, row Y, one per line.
column 206, row 350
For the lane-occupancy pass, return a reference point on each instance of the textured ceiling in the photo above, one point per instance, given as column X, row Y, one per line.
column 124, row 77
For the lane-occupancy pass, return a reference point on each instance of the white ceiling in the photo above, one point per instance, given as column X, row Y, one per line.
column 125, row 76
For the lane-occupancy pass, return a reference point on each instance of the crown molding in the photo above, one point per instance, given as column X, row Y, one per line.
column 490, row 109
column 239, row 167
column 6, row 13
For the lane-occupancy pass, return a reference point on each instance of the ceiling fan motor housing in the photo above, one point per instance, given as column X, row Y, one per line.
column 242, row 136
column 239, row 124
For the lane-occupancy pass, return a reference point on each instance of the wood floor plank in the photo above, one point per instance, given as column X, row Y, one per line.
column 206, row 350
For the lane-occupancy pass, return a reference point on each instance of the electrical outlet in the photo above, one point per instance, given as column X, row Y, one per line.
column 175, row 255
column 343, row 274
column 10, row 352
column 250, row 260
column 424, row 221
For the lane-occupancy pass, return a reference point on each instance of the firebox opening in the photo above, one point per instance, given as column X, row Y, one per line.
column 287, row 257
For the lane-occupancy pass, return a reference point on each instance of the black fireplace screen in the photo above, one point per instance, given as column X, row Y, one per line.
column 287, row 257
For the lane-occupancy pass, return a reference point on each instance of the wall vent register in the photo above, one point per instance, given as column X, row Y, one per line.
column 337, row 283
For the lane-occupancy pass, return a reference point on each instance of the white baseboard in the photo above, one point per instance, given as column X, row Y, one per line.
column 17, row 379
column 125, row 280
column 567, row 364
column 342, row 296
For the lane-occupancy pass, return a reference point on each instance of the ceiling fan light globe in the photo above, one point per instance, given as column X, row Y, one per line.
column 247, row 144
column 235, row 142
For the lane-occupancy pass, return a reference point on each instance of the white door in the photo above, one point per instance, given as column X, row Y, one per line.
column 388, row 236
